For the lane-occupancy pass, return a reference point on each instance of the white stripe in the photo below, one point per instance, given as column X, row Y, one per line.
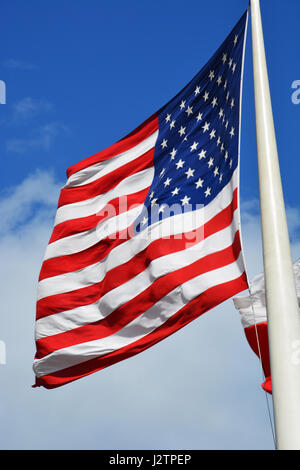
column 54, row 324
column 82, row 241
column 141, row 326
column 177, row 224
column 65, row 321
column 98, row 170
column 130, row 185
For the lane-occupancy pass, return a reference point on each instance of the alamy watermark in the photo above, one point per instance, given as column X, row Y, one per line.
column 296, row 94
column 2, row 92
column 177, row 221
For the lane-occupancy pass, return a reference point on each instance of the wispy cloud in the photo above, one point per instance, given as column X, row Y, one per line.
column 36, row 194
column 41, row 138
column 18, row 64
column 28, row 108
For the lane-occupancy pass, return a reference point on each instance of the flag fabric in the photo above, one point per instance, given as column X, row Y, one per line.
column 252, row 308
column 146, row 236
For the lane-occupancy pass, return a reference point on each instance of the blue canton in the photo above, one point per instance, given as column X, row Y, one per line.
column 197, row 148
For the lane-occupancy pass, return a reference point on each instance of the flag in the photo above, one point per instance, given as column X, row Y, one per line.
column 146, row 236
column 252, row 308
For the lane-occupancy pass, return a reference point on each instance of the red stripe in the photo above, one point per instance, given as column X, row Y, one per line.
column 139, row 304
column 67, row 301
column 95, row 253
column 74, row 226
column 131, row 140
column 90, row 294
column 107, row 182
column 201, row 304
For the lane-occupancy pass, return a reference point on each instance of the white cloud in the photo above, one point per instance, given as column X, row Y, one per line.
column 41, row 138
column 198, row 389
column 28, row 107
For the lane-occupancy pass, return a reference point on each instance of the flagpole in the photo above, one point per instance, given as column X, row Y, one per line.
column 282, row 305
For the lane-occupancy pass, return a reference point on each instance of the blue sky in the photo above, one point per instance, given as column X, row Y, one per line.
column 79, row 76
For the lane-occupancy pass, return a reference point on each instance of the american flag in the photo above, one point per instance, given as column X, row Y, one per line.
column 253, row 310
column 146, row 235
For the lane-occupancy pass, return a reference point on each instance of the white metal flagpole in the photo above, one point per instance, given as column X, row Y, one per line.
column 282, row 305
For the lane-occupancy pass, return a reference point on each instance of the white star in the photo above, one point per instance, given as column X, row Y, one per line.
column 189, row 110
column 199, row 183
column 221, row 112
column 206, row 126
column 214, row 102
column 173, row 153
column 233, row 68
column 207, row 192
column 182, row 104
column 232, row 132
column 235, row 39
column 151, row 195
column 230, row 62
column 202, row 154
column 172, row 124
column 164, row 143
column 227, row 96
column 211, row 75
column 222, row 147
column 225, row 85
column 219, row 140
column 219, row 81
column 162, row 208
column 185, row 200
column 144, row 221
column 189, row 173
column 181, row 131
column 210, row 162
column 226, row 125
column 221, row 178
column 162, row 172
column 212, row 134
column 216, row 171
column 205, row 96
column 168, row 117
column 167, row 182
column 232, row 103
column 194, row 146
column 230, row 163
column 179, row 164
column 224, row 58
column 197, row 91
column 175, row 191
column 199, row 117
column 153, row 202
column 226, row 155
